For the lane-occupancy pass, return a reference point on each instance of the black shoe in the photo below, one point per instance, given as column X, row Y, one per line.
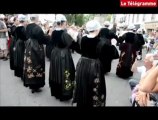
column 2, row 58
column 32, row 90
column 36, row 90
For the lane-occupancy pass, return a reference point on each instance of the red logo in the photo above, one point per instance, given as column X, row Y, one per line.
column 138, row 3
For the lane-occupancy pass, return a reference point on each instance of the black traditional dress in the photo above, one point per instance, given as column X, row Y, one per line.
column 11, row 49
column 127, row 56
column 139, row 43
column 34, row 60
column 49, row 48
column 90, row 88
column 107, row 58
column 62, row 69
column 20, row 33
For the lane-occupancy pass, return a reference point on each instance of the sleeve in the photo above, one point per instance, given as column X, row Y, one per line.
column 141, row 38
column 103, row 49
column 113, row 35
column 13, row 30
column 141, row 69
column 122, row 38
column 43, row 39
column 121, row 46
column 75, row 46
column 23, row 34
column 69, row 41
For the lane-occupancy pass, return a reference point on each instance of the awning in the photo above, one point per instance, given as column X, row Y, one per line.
column 151, row 25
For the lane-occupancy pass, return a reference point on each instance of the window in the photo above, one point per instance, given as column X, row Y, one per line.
column 137, row 18
column 143, row 17
column 133, row 18
column 153, row 17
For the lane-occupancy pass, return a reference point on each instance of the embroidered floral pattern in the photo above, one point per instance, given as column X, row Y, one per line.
column 94, row 89
column 95, row 98
column 30, row 75
column 29, row 52
column 39, row 75
column 29, row 61
column 24, row 58
column 29, row 69
column 32, row 72
column 102, row 97
column 121, row 61
column 96, row 80
column 98, row 100
column 68, row 84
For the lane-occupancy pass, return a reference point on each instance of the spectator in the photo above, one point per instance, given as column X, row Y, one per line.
column 148, row 64
column 3, row 38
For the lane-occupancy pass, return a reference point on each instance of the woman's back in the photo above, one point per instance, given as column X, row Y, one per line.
column 88, row 47
column 61, row 39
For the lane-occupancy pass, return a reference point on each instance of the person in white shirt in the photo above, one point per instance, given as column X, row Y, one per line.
column 148, row 64
column 3, row 38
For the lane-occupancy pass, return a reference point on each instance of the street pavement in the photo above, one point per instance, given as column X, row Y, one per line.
column 13, row 93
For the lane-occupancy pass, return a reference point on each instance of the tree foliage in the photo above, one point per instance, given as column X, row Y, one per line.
column 78, row 19
column 81, row 19
column 108, row 17
column 88, row 17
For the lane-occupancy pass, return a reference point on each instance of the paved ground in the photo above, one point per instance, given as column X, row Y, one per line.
column 13, row 93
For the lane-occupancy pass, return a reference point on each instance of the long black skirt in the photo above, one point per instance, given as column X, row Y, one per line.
column 126, row 60
column 11, row 51
column 90, row 89
column 49, row 49
column 19, row 58
column 107, row 65
column 106, row 59
column 61, row 74
column 34, row 65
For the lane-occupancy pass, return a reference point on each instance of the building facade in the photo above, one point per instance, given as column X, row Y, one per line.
column 146, row 21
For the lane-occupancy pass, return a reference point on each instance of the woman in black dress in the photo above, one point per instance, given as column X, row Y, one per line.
column 90, row 88
column 34, row 60
column 62, row 69
column 49, row 47
column 107, row 58
column 20, row 37
column 13, row 41
column 127, row 55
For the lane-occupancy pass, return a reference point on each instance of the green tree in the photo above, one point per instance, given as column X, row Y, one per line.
column 88, row 17
column 79, row 19
column 70, row 18
column 108, row 17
